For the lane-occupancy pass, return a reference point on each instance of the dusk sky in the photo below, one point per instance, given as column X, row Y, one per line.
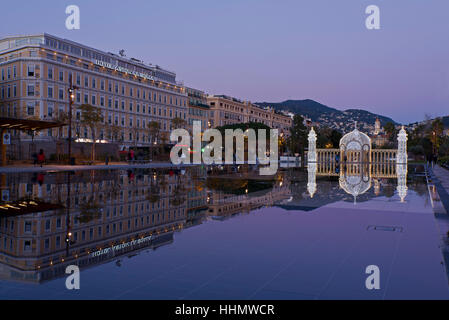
column 272, row 50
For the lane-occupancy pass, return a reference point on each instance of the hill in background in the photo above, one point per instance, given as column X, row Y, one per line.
column 328, row 116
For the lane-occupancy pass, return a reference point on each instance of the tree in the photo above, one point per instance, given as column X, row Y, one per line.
column 154, row 130
column 335, row 138
column 164, row 138
column 390, row 130
column 61, row 117
column 92, row 118
column 178, row 123
column 328, row 138
column 115, row 131
column 298, row 135
column 444, row 147
column 135, row 132
column 436, row 133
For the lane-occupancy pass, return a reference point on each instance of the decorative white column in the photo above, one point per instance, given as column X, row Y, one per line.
column 401, row 157
column 311, row 154
column 311, row 178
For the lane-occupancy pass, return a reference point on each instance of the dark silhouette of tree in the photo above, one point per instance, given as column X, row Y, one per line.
column 92, row 118
column 298, row 135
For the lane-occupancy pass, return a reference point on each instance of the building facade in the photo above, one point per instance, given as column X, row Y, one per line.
column 199, row 110
column 34, row 82
column 227, row 110
column 379, row 138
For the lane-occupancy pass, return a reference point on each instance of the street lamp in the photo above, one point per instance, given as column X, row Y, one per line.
column 71, row 91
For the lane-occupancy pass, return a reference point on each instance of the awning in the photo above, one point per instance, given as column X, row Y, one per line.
column 26, row 206
column 28, row 124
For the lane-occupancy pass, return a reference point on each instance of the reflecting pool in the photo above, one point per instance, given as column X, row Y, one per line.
column 220, row 233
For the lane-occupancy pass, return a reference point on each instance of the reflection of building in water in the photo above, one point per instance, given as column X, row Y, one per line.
column 226, row 204
column 117, row 212
column 92, row 217
column 196, row 201
column 376, row 186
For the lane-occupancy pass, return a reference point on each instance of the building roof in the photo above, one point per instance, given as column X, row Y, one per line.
column 83, row 51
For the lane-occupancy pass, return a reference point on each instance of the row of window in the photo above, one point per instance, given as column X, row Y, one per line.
column 8, row 92
column 82, row 235
column 92, row 82
column 10, row 73
column 90, row 54
column 47, row 224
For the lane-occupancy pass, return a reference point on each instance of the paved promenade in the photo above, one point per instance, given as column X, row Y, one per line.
column 117, row 165
column 442, row 184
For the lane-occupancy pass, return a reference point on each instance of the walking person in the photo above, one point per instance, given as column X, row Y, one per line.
column 41, row 157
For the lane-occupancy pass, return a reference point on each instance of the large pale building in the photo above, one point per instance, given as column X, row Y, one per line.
column 227, row 110
column 34, row 82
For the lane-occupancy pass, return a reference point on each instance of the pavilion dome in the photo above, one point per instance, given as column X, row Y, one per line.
column 355, row 140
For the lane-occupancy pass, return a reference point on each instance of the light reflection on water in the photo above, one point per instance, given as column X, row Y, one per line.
column 51, row 220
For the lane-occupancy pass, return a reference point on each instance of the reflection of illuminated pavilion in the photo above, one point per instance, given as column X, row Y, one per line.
column 355, row 179
column 355, row 183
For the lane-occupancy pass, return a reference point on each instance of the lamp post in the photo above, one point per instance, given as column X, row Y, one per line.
column 71, row 90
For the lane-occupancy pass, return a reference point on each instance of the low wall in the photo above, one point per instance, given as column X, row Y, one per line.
column 24, row 150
